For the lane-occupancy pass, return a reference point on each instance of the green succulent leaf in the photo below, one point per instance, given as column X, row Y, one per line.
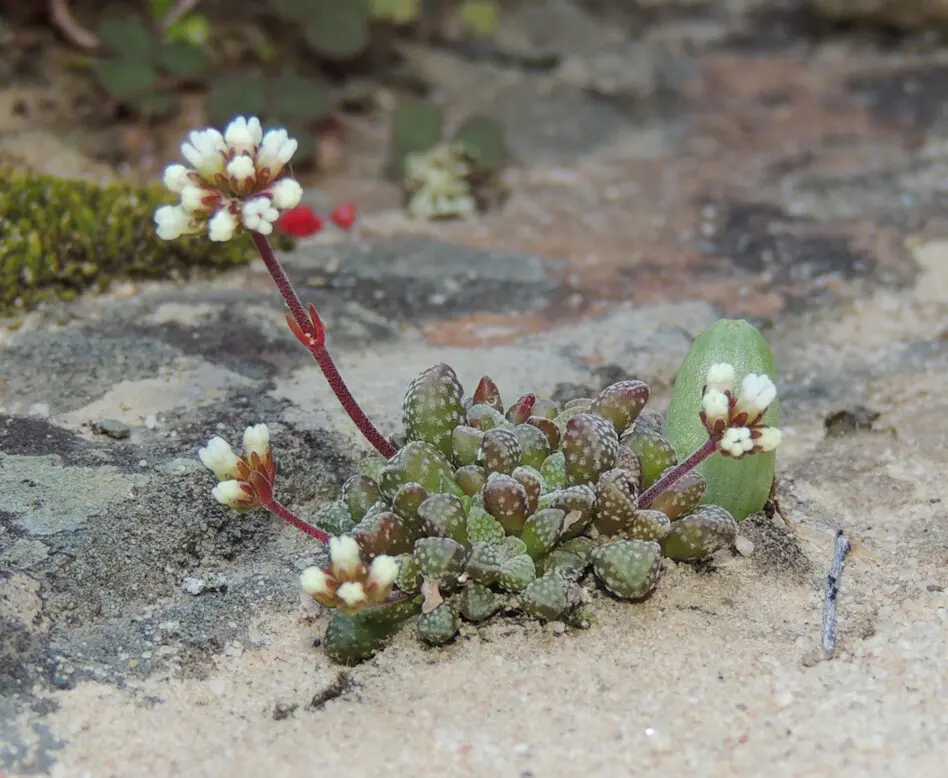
column 417, row 125
column 338, row 29
column 154, row 103
column 740, row 486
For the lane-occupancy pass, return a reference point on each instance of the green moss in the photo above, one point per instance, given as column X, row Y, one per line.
column 59, row 237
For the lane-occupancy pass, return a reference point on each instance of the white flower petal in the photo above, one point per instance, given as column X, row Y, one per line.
column 177, row 177
column 769, row 439
column 721, row 376
column 287, row 193
column 218, row 456
column 351, row 593
column 256, row 441
column 383, row 571
column 229, row 493
column 345, row 555
column 222, row 226
column 314, row 581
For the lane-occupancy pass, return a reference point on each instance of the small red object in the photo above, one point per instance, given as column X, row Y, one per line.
column 300, row 222
column 344, row 215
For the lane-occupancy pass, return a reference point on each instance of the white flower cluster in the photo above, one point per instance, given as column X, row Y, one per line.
column 233, row 472
column 736, row 421
column 233, row 182
column 349, row 584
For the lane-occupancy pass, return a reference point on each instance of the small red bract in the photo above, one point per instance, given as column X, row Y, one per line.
column 300, row 222
column 344, row 215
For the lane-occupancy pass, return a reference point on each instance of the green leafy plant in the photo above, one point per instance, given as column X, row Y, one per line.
column 478, row 506
column 443, row 177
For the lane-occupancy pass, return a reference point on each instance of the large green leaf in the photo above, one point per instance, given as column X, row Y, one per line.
column 484, row 138
column 131, row 41
column 291, row 96
column 236, row 94
column 339, row 29
column 184, row 59
column 121, row 78
column 740, row 486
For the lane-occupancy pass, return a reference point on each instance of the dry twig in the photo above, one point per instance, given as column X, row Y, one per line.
column 832, row 592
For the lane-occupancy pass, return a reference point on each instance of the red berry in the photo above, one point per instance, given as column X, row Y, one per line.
column 300, row 222
column 344, row 215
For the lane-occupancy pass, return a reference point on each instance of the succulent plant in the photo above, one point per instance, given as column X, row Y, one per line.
column 476, row 530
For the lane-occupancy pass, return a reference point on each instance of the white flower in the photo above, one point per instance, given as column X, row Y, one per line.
column 205, row 151
column 715, row 405
column 720, row 377
column 768, row 438
column 351, row 593
column 286, row 194
column 736, row 441
column 242, row 133
column 256, row 441
column 229, row 493
column 345, row 555
column 169, row 221
column 383, row 571
column 276, row 149
column 222, row 226
column 218, row 456
column 756, row 395
column 177, row 177
column 259, row 214
column 192, row 198
column 241, row 168
column 315, row 582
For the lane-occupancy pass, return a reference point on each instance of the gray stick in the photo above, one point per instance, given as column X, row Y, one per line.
column 832, row 592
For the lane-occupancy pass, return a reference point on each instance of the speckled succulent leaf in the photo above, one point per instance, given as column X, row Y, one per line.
column 409, row 574
column 740, row 486
column 360, row 492
column 512, row 546
column 534, row 445
column 532, row 482
column 579, row 500
column 547, row 597
column 681, row 497
column 585, row 403
column 483, row 417
column 488, row 394
column 352, row 639
column 471, row 479
column 482, row 527
column 621, row 403
column 334, row 517
column 548, row 428
column 628, row 460
column 432, row 407
column 406, row 501
column 545, row 408
column 418, row 462
column 647, row 525
column 650, row 419
column 439, row 626
column 566, row 563
column 383, row 533
column 485, row 563
column 655, row 453
column 478, row 603
column 521, row 410
column 506, row 500
column 500, row 451
column 517, row 572
column 630, row 569
column 700, row 534
column 372, row 466
column 616, row 493
column 440, row 558
column 465, row 444
column 553, row 471
column 443, row 515
column 542, row 530
column 590, row 445
column 563, row 418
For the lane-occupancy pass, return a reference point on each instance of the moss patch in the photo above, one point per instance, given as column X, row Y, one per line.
column 59, row 237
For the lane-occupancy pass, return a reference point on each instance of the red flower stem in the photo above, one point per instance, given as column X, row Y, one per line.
column 674, row 475
column 281, row 511
column 320, row 353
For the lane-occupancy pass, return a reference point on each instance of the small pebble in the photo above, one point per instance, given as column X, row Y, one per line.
column 39, row 411
column 744, row 546
column 151, row 421
column 112, row 429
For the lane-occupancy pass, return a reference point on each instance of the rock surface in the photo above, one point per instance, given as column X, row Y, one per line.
column 911, row 14
column 147, row 630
